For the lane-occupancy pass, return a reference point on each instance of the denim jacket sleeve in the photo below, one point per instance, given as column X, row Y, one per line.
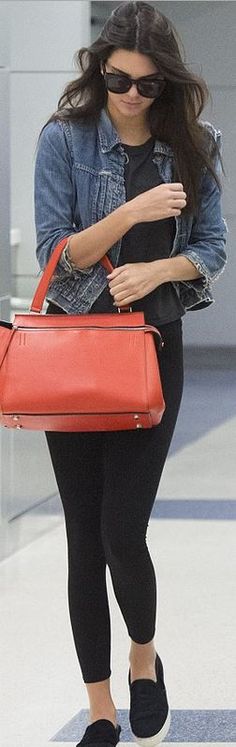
column 206, row 244
column 54, row 195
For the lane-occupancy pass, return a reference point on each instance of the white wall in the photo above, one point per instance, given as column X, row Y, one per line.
column 44, row 37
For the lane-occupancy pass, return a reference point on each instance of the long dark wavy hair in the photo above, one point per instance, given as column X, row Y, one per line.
column 173, row 117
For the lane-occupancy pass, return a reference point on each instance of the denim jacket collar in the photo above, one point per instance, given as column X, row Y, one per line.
column 109, row 137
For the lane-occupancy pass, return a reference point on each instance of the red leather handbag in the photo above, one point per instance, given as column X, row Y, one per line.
column 88, row 372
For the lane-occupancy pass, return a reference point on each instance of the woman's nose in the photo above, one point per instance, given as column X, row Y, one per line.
column 133, row 91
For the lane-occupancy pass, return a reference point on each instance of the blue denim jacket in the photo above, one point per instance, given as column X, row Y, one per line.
column 79, row 179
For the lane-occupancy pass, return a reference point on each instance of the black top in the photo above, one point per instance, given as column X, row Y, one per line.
column 146, row 242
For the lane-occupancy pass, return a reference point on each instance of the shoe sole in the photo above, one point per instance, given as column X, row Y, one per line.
column 156, row 738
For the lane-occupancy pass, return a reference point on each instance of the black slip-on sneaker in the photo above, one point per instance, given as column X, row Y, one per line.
column 101, row 733
column 149, row 711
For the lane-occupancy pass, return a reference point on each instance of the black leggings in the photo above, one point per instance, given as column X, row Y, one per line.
column 107, row 484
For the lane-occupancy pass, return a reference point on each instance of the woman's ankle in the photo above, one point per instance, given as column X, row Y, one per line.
column 105, row 713
column 101, row 704
column 142, row 654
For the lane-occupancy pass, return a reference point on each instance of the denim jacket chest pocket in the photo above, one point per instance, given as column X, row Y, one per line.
column 100, row 193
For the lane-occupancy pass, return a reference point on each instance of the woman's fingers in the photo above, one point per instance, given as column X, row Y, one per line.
column 116, row 288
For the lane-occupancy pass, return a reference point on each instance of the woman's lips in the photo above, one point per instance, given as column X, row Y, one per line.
column 129, row 103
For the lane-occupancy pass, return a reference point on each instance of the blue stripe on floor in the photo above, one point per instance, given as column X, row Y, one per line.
column 167, row 508
column 194, row 509
column 210, row 397
column 186, row 726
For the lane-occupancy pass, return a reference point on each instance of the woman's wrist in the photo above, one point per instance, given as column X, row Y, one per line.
column 128, row 215
column 175, row 269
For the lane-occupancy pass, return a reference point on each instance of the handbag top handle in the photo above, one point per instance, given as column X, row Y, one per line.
column 41, row 290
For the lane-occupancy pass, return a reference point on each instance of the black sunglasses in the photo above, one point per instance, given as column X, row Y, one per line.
column 148, row 86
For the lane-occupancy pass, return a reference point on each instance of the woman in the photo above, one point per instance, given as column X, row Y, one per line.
column 125, row 166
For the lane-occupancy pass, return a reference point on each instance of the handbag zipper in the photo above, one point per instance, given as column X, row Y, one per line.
column 146, row 327
column 91, row 326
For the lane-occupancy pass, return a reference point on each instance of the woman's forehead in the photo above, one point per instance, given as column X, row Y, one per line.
column 132, row 62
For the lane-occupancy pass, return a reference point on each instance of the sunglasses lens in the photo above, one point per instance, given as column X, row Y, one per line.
column 151, row 88
column 117, row 83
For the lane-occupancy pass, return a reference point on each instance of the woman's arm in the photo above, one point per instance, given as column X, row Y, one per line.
column 198, row 264
column 90, row 245
column 206, row 244
column 130, row 282
column 54, row 207
column 175, row 269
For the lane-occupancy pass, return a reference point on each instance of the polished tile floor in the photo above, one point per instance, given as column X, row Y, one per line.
column 191, row 538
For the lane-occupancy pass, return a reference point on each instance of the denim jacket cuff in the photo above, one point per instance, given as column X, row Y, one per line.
column 206, row 278
column 66, row 260
column 68, row 265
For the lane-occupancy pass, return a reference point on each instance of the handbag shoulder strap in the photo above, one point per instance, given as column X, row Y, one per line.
column 41, row 290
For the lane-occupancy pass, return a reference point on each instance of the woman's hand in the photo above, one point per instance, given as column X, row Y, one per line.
column 130, row 282
column 163, row 201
